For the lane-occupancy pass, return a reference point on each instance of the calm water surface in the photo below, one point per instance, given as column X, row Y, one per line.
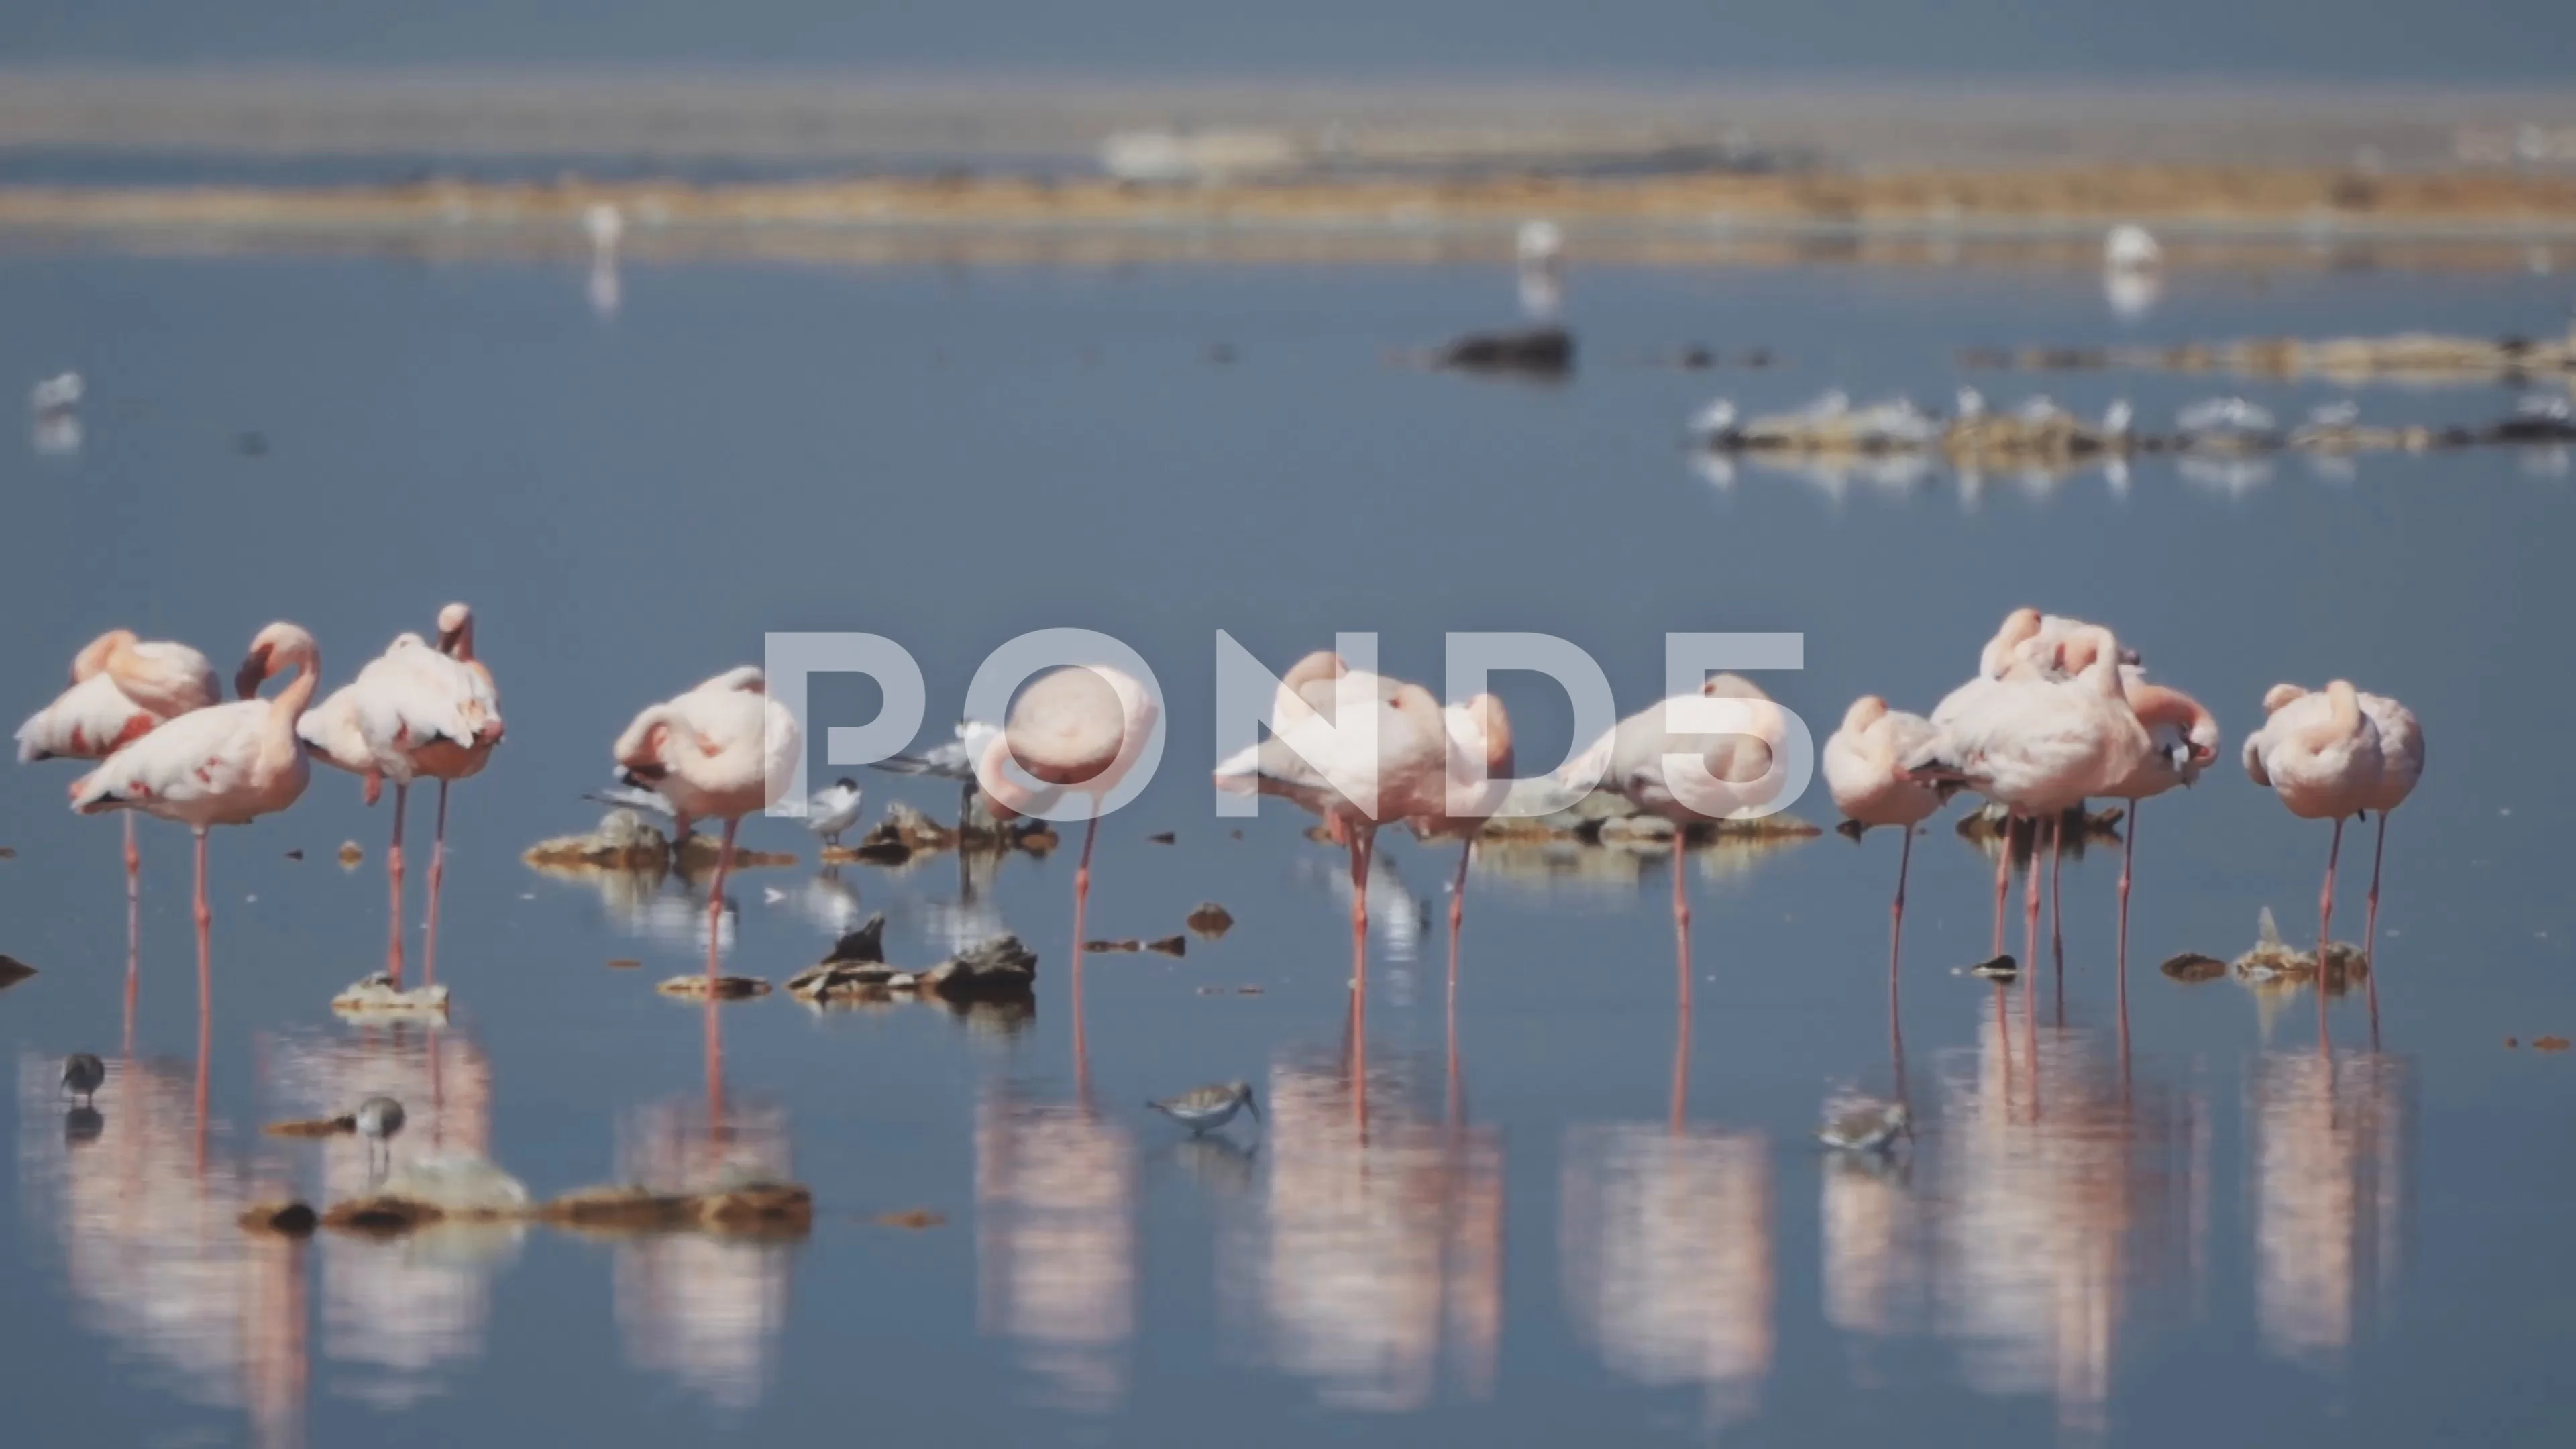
column 1558, row 1209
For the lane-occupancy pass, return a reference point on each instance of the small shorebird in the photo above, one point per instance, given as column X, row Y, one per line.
column 83, row 1075
column 1873, row 1128
column 834, row 810
column 1209, row 1108
column 378, row 1120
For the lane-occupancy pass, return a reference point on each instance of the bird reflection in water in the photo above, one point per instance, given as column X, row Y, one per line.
column 397, row 1312
column 2047, row 1218
column 1055, row 1242
column 153, row 1259
column 1377, row 1246
column 2329, row 1146
column 705, row 1310
column 1666, row 1251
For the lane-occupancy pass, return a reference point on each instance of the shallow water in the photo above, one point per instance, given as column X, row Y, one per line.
column 1561, row 1208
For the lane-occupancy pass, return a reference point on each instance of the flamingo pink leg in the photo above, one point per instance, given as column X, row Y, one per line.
column 1363, row 847
column 133, row 929
column 2128, row 852
column 437, row 876
column 2325, row 928
column 1082, row 872
column 716, row 898
column 394, row 871
column 2003, row 881
column 2056, row 915
column 1458, row 888
column 1896, row 909
column 205, row 939
column 2370, row 938
column 2030, row 963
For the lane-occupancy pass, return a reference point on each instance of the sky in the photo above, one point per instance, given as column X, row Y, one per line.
column 2524, row 42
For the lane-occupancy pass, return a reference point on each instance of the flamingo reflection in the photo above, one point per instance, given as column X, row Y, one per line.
column 399, row 1313
column 702, row 1309
column 2328, row 1145
column 1377, row 1251
column 153, row 1258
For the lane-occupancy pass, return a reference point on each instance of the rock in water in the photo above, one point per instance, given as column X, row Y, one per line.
column 1540, row 351
column 998, row 969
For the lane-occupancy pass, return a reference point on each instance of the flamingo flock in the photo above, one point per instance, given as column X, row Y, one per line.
column 2058, row 713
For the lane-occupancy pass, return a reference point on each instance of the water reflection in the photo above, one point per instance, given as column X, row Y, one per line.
column 2062, row 1188
column 397, row 1311
column 1055, row 1242
column 1667, row 1257
column 2328, row 1148
column 1377, row 1251
column 153, row 1259
column 702, row 1309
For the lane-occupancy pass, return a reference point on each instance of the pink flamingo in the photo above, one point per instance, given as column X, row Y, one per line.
column 448, row 762
column 122, row 689
column 1305, row 755
column 721, row 751
column 2182, row 739
column 1475, row 778
column 1864, row 769
column 226, row 764
column 2028, row 645
column 2321, row 753
column 2401, row 764
column 1080, row 728
column 1734, row 771
column 411, row 711
column 2039, row 746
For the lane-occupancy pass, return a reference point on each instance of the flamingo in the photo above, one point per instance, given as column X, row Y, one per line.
column 719, row 751
column 225, row 764
column 1306, row 754
column 1864, row 769
column 1735, row 771
column 447, row 761
column 2026, row 646
column 2322, row 754
column 2039, row 743
column 1082, row 727
column 1473, row 783
column 412, row 711
column 2182, row 739
column 122, row 689
column 2401, row 764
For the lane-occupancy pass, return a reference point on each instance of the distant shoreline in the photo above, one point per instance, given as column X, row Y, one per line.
column 2203, row 215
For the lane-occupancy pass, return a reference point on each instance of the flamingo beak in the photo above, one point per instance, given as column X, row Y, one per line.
column 1255, row 1106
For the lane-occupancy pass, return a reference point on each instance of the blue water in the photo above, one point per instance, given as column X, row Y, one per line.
column 1564, row 1210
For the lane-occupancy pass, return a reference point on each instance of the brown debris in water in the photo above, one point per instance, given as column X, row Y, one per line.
column 1163, row 837
column 916, row 1218
column 757, row 1209
column 1129, row 944
column 1210, row 921
column 13, row 971
column 296, row 854
column 2549, row 1044
column 313, row 1127
column 2192, row 967
column 625, row 963
column 1170, row 946
column 351, row 854
column 723, row 988
column 280, row 1219
column 753, row 1209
